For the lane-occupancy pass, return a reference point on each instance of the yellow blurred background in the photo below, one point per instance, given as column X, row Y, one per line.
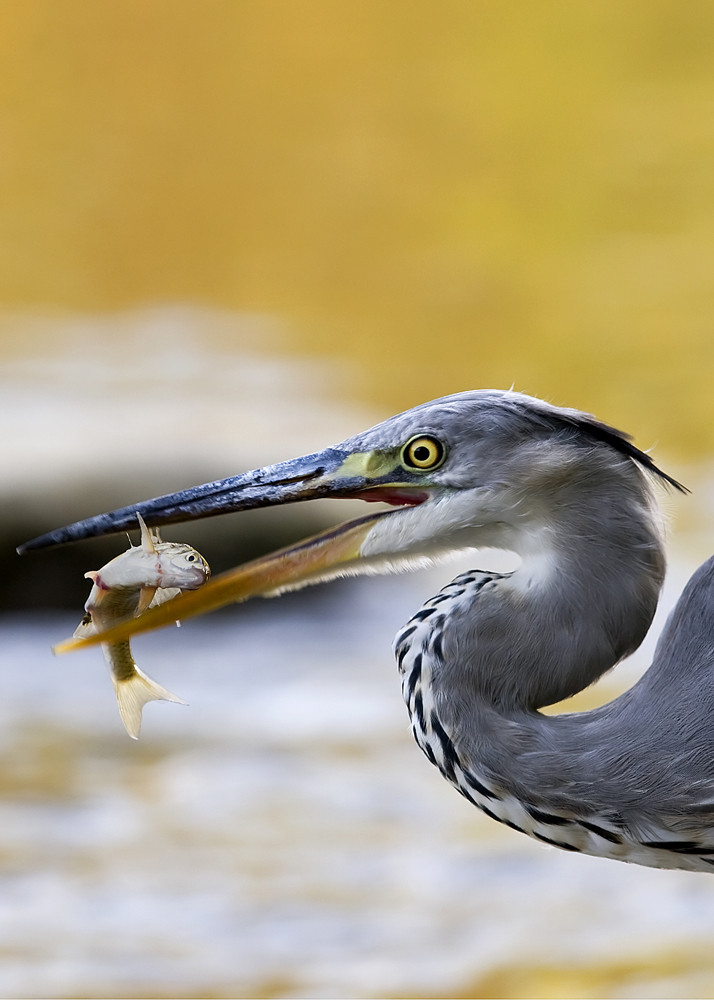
column 445, row 195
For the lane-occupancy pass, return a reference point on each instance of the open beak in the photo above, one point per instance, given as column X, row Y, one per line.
column 332, row 473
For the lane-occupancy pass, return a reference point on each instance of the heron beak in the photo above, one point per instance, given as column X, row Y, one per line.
column 332, row 473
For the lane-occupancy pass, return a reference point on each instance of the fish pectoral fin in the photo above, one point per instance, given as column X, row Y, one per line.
column 164, row 594
column 146, row 596
column 134, row 693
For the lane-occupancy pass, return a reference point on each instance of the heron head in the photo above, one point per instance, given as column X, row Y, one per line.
column 460, row 471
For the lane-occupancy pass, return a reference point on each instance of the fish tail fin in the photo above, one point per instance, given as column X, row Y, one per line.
column 134, row 693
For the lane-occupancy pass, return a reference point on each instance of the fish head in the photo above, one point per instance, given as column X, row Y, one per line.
column 181, row 566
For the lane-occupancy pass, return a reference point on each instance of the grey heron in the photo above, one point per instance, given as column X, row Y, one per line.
column 631, row 780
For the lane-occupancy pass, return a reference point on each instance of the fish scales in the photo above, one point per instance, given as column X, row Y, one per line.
column 144, row 576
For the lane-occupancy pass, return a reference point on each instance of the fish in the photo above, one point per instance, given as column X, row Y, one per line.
column 142, row 577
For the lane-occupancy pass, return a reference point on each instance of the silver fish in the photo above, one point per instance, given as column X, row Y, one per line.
column 143, row 577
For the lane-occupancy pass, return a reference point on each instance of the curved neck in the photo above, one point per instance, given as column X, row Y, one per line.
column 481, row 657
column 583, row 598
column 479, row 660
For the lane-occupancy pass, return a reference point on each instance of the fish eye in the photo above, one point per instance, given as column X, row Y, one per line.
column 423, row 452
column 190, row 557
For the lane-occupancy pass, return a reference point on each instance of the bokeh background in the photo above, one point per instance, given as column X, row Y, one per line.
column 233, row 231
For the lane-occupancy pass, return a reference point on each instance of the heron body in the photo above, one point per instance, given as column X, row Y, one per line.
column 632, row 780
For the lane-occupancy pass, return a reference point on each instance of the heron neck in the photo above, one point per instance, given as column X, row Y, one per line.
column 582, row 599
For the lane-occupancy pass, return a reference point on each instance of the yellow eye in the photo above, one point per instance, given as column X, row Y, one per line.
column 423, row 452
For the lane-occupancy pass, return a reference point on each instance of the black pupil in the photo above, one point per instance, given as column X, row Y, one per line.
column 422, row 454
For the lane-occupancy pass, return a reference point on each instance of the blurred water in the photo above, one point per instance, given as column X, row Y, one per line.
column 283, row 836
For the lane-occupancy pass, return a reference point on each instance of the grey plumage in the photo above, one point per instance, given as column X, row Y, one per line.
column 632, row 780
